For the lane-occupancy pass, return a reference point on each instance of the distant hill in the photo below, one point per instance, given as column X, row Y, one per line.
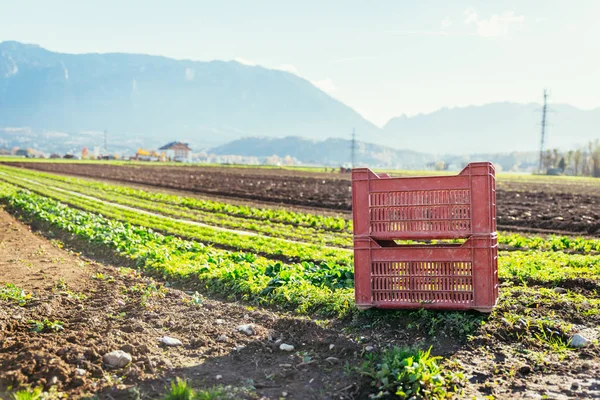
column 336, row 152
column 495, row 127
column 149, row 97
column 333, row 152
column 146, row 101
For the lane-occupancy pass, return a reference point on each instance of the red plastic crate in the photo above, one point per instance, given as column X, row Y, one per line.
column 434, row 207
column 443, row 276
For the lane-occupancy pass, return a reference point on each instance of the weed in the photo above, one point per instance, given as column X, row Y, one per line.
column 410, row 373
column 46, row 326
column 180, row 390
column 12, row 293
column 101, row 277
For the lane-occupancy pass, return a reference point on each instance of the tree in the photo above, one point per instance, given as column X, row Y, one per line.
column 562, row 164
column 577, row 161
column 595, row 156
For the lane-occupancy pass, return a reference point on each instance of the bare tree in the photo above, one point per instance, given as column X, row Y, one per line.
column 577, row 161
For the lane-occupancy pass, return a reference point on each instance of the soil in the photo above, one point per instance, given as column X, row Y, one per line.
column 560, row 207
column 112, row 316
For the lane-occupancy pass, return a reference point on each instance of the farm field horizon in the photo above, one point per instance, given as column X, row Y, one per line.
column 234, row 263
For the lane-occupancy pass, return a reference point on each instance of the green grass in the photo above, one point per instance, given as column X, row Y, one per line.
column 181, row 390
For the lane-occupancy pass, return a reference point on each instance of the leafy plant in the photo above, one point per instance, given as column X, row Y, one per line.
column 411, row 373
column 46, row 326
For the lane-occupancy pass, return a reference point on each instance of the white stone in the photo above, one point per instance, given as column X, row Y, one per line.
column 117, row 359
column 80, row 371
column 247, row 329
column 286, row 347
column 169, row 341
column 222, row 338
column 578, row 341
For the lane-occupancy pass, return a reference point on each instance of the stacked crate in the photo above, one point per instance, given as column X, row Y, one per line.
column 455, row 276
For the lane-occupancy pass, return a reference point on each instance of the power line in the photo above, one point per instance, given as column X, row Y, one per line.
column 544, row 113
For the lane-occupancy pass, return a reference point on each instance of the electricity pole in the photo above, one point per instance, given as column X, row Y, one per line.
column 544, row 112
column 353, row 147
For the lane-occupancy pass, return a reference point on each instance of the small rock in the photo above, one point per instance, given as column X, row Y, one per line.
column 54, row 380
column 80, row 371
column 560, row 290
column 575, row 386
column 117, row 359
column 578, row 341
column 169, row 341
column 525, row 369
column 219, row 321
column 286, row 347
column 331, row 346
column 246, row 329
column 120, row 302
column 369, row 348
column 127, row 348
column 218, row 377
column 284, row 394
column 238, row 348
column 222, row 338
column 143, row 349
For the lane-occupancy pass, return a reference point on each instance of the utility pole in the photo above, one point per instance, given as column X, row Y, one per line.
column 353, row 147
column 544, row 112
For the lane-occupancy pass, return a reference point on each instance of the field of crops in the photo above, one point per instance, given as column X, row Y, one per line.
column 260, row 299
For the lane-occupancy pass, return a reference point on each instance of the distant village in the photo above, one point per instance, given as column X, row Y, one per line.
column 175, row 151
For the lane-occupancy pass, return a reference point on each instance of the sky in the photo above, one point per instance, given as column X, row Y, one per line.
column 384, row 58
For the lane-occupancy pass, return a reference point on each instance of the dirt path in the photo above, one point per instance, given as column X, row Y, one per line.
column 102, row 309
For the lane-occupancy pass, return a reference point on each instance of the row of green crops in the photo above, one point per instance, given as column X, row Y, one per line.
column 269, row 247
column 325, row 289
column 192, row 209
column 337, row 224
column 265, row 227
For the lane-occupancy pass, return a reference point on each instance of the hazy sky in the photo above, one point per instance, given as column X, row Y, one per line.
column 383, row 58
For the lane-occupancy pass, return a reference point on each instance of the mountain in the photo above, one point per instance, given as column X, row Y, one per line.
column 147, row 101
column 160, row 99
column 497, row 127
column 332, row 152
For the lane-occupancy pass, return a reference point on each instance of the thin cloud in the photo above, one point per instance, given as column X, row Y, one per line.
column 325, row 85
column 427, row 33
column 244, row 61
column 496, row 25
column 288, row 68
column 446, row 22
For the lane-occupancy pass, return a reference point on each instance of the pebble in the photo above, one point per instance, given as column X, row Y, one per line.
column 560, row 290
column 80, row 371
column 247, row 329
column 578, row 341
column 218, row 377
column 331, row 346
column 286, row 347
column 222, row 338
column 169, row 341
column 369, row 348
column 219, row 321
column 117, row 359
